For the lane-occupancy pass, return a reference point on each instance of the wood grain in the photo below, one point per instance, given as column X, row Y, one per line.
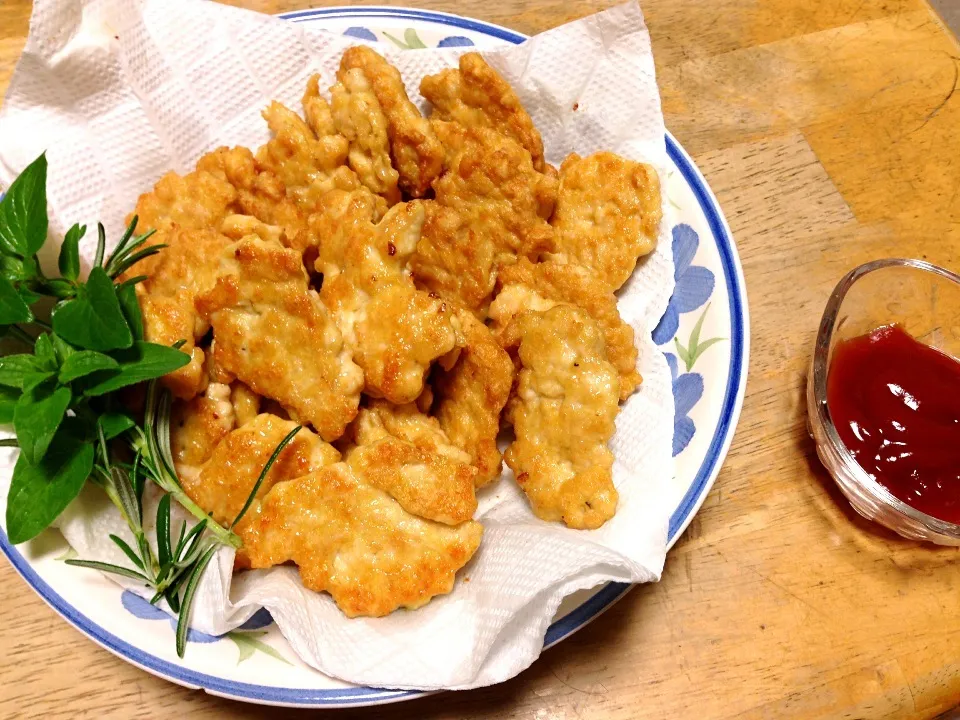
column 830, row 131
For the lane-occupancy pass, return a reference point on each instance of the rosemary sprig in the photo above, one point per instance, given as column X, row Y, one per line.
column 60, row 397
column 174, row 571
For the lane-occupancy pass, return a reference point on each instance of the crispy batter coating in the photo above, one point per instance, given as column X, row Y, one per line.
column 453, row 260
column 476, row 95
column 394, row 330
column 563, row 416
column 196, row 201
column 529, row 286
column 317, row 110
column 417, row 154
column 353, row 540
column 437, row 482
column 197, row 426
column 491, row 208
column 223, row 484
column 607, row 215
column 358, row 116
column 186, row 268
column 470, row 396
column 275, row 335
column 184, row 211
column 260, row 196
column 308, row 166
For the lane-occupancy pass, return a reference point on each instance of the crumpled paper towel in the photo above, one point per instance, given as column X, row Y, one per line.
column 119, row 91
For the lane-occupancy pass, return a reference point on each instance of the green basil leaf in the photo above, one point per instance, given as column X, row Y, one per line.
column 39, row 493
column 13, row 268
column 28, row 295
column 12, row 307
column 15, row 369
column 93, row 320
column 85, row 362
column 114, row 424
column 23, row 211
column 37, row 416
column 127, row 295
column 44, row 353
column 69, row 261
column 8, row 401
column 144, row 361
column 62, row 348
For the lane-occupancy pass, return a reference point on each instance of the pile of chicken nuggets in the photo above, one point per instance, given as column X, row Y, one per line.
column 403, row 287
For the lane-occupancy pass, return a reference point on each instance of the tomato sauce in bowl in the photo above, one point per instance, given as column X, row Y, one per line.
column 895, row 403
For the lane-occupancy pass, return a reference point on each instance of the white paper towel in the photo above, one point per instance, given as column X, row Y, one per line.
column 119, row 91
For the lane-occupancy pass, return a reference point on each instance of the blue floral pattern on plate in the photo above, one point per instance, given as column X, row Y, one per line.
column 410, row 41
column 694, row 286
column 694, row 283
column 687, row 391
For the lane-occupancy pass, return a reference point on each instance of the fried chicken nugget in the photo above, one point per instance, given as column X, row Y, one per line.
column 394, row 330
column 416, row 152
column 182, row 210
column 563, row 416
column 223, row 483
column 317, row 109
column 186, row 268
column 471, row 395
column 308, row 166
column 260, row 196
column 276, row 336
column 354, row 541
column 491, row 207
column 529, row 286
column 197, row 426
column 607, row 215
column 453, row 260
column 358, row 116
column 476, row 95
column 438, row 480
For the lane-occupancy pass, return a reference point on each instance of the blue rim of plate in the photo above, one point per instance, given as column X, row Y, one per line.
column 592, row 608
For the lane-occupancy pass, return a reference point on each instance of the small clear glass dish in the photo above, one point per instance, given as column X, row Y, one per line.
column 925, row 301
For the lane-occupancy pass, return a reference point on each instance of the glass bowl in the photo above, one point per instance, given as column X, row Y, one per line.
column 925, row 301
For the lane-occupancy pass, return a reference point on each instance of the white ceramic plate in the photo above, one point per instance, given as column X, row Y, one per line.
column 705, row 335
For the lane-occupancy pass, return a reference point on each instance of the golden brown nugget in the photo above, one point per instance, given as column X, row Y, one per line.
column 260, row 196
column 438, row 480
column 196, row 201
column 607, row 215
column 354, row 541
column 453, row 261
column 471, row 395
column 494, row 209
column 317, row 110
column 186, row 268
column 274, row 334
column 308, row 166
column 223, row 483
column 197, row 426
column 394, row 330
column 563, row 416
column 475, row 95
column 416, row 152
column 358, row 116
column 540, row 286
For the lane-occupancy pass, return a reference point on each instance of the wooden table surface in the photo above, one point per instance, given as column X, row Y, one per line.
column 830, row 133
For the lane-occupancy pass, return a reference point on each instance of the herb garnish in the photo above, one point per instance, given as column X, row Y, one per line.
column 70, row 425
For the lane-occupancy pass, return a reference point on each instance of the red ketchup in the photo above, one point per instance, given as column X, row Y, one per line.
column 896, row 405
